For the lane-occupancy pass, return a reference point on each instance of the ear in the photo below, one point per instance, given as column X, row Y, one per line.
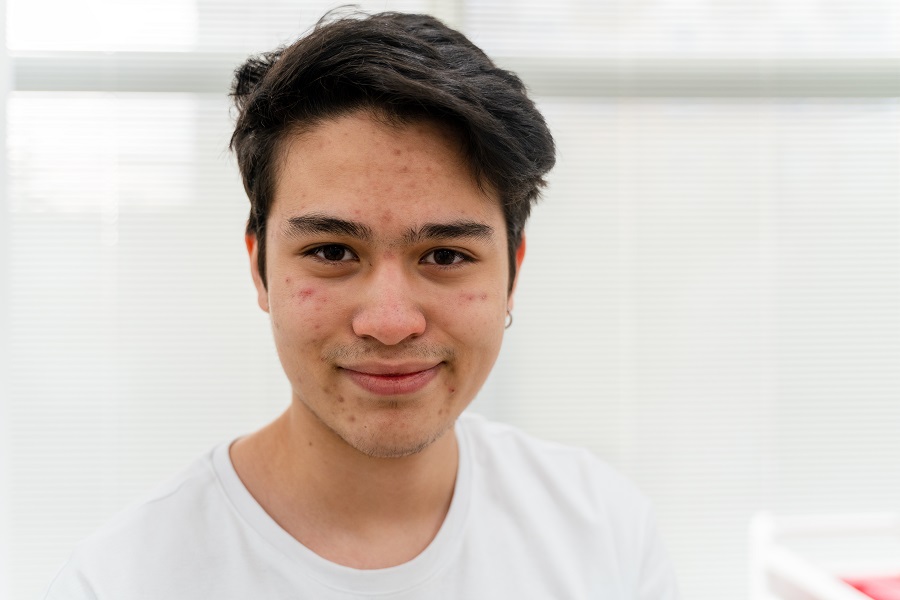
column 520, row 256
column 262, row 295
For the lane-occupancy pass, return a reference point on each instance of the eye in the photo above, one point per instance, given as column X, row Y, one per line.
column 445, row 257
column 332, row 253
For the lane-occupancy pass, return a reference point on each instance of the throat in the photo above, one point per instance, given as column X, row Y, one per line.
column 368, row 513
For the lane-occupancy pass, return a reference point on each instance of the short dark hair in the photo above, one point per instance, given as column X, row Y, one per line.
column 402, row 67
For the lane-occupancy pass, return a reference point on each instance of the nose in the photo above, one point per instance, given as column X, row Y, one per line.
column 389, row 311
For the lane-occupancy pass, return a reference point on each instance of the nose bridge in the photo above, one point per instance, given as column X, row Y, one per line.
column 389, row 310
column 389, row 284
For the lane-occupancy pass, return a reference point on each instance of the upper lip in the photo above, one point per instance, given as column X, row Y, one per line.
column 384, row 368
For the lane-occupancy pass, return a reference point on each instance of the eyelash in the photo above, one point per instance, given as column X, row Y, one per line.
column 314, row 253
column 463, row 258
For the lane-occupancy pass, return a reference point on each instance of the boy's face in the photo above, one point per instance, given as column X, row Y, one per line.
column 387, row 280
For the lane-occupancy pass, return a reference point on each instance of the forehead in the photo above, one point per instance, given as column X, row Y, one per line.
column 359, row 166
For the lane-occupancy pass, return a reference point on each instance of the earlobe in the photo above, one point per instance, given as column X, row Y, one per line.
column 520, row 256
column 262, row 294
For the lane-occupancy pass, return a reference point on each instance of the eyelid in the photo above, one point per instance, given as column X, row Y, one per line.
column 463, row 258
column 314, row 250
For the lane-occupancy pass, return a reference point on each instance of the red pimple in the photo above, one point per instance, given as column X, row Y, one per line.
column 466, row 297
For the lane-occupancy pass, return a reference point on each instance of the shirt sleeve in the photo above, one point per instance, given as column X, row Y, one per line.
column 656, row 578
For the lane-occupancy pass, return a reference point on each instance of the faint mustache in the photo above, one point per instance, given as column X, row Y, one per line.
column 364, row 351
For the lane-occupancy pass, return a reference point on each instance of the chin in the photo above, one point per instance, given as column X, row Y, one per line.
column 388, row 444
column 380, row 450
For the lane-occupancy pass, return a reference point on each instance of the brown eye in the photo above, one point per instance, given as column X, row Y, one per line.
column 333, row 253
column 445, row 257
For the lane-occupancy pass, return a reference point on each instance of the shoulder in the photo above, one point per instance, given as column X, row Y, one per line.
column 520, row 458
column 564, row 497
column 178, row 502
column 572, row 512
column 174, row 520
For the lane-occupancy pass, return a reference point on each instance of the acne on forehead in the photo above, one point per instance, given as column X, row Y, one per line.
column 448, row 140
column 421, row 158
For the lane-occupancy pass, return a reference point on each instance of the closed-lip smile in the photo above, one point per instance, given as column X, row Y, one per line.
column 386, row 379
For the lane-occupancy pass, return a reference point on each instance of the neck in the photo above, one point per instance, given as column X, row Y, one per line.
column 345, row 505
column 359, row 485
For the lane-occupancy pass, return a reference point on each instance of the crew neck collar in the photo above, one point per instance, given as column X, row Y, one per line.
column 435, row 557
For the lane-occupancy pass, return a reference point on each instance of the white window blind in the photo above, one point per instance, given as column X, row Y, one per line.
column 710, row 301
column 686, row 28
column 171, row 25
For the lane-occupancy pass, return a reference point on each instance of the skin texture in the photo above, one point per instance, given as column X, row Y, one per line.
column 387, row 291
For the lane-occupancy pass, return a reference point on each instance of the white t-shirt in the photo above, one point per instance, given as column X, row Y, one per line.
column 528, row 519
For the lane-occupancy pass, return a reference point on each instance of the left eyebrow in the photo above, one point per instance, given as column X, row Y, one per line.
column 453, row 230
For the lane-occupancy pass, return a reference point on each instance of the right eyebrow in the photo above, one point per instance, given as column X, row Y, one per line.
column 321, row 223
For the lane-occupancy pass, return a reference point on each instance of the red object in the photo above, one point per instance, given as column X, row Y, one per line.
column 878, row 588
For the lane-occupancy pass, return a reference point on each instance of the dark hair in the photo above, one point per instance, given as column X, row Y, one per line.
column 403, row 67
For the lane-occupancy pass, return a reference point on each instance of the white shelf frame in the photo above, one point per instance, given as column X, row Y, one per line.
column 771, row 559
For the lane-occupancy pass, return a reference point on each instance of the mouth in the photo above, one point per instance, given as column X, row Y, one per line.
column 392, row 380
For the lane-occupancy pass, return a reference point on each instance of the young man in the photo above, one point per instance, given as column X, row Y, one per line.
column 390, row 168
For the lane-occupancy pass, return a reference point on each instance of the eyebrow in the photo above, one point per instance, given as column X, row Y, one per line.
column 452, row 230
column 318, row 223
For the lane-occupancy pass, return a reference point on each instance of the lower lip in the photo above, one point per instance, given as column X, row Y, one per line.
column 393, row 385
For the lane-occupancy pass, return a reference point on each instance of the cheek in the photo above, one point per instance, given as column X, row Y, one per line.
column 305, row 294
column 302, row 310
column 309, row 303
column 480, row 309
column 470, row 298
column 308, row 299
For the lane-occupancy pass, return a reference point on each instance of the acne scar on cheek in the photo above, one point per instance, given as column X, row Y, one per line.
column 306, row 293
column 467, row 298
column 351, row 418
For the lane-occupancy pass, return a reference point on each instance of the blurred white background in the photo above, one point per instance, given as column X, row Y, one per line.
column 710, row 302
